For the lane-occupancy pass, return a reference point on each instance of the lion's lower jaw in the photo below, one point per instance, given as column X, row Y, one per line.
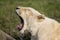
column 24, row 27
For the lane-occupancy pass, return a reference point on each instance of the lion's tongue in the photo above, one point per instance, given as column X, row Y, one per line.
column 19, row 26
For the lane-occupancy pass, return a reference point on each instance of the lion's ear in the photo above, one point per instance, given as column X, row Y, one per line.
column 40, row 17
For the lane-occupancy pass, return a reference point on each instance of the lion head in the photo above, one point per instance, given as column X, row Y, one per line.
column 27, row 14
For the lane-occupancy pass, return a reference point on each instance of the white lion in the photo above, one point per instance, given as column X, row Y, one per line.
column 40, row 26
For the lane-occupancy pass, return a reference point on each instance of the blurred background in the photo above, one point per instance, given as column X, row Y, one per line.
column 9, row 19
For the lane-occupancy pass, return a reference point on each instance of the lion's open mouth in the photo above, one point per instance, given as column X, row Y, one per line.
column 20, row 26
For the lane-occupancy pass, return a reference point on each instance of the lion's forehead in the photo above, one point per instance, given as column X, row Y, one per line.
column 25, row 7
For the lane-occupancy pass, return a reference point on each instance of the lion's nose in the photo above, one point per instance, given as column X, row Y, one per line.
column 17, row 8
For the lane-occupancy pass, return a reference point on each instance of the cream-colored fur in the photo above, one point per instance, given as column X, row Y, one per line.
column 42, row 27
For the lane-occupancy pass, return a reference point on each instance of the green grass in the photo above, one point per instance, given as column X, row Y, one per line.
column 9, row 20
